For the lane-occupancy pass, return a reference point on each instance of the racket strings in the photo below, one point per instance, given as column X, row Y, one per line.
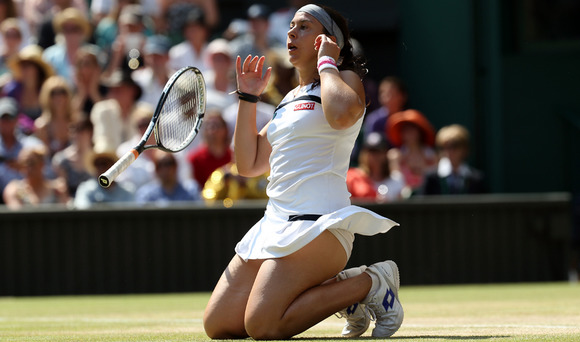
column 178, row 120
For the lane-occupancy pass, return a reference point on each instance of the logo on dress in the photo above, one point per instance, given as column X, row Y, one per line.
column 304, row 106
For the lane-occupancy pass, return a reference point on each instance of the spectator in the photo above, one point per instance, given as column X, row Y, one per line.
column 73, row 26
column 90, row 193
column 110, row 9
column 283, row 79
column 11, row 9
column 29, row 72
column 193, row 49
column 87, row 79
column 10, row 44
column 52, row 127
column 107, row 23
column 142, row 170
column 34, row 189
column 215, row 150
column 46, row 34
column 373, row 179
column 393, row 99
column 453, row 175
column 69, row 164
column 256, row 42
column 278, row 27
column 264, row 113
column 172, row 11
column 36, row 11
column 220, row 78
column 225, row 183
column 129, row 41
column 156, row 72
column 111, row 117
column 166, row 187
column 11, row 141
column 413, row 137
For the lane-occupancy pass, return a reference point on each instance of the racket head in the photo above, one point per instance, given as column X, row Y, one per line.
column 180, row 111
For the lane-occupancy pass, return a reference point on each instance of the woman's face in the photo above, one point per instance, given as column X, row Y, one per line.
column 59, row 98
column 29, row 70
column 32, row 165
column 304, row 29
column 391, row 97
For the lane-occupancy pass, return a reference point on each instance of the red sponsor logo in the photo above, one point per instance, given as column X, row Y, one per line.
column 304, row 106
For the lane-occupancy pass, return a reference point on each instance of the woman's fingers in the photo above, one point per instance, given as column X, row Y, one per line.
column 253, row 64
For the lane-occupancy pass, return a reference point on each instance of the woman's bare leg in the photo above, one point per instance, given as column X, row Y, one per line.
column 287, row 297
column 224, row 314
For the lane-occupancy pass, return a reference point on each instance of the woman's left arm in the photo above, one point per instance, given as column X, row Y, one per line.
column 343, row 96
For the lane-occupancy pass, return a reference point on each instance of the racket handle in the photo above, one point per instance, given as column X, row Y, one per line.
column 123, row 163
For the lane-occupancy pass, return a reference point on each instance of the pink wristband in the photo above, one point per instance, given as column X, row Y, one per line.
column 326, row 62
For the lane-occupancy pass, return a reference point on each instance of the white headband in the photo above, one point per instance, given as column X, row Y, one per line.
column 324, row 18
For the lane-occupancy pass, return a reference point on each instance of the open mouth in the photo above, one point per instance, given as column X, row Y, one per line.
column 291, row 47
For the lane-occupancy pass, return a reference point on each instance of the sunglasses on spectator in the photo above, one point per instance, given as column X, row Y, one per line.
column 58, row 91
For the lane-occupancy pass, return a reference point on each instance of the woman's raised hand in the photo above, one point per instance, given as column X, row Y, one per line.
column 250, row 76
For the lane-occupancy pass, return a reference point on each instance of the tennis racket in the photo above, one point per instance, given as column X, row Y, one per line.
column 175, row 123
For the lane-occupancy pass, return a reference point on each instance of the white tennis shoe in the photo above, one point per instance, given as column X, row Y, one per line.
column 383, row 298
column 357, row 316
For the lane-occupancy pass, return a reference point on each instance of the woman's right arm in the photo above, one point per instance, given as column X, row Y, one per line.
column 252, row 149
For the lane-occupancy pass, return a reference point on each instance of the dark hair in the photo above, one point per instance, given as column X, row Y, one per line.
column 348, row 60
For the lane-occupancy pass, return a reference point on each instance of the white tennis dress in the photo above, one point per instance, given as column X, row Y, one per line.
column 308, row 166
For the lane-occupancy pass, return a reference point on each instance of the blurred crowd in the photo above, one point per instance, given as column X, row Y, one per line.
column 80, row 80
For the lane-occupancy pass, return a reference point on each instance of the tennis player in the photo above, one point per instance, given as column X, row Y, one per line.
column 287, row 273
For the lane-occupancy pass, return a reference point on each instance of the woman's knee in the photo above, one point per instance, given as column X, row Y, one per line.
column 258, row 329
column 219, row 327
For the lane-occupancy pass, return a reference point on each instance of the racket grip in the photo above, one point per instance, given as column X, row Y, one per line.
column 123, row 163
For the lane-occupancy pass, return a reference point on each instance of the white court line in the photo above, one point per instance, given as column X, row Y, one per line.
column 98, row 320
column 532, row 326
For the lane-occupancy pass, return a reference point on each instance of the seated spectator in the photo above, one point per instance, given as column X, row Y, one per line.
column 129, row 40
column 392, row 98
column 284, row 77
column 12, row 141
column 172, row 12
column 373, row 179
column 90, row 193
column 36, row 11
column 69, row 164
column 11, row 41
column 413, row 155
column 256, row 41
column 192, row 49
column 87, row 80
column 225, row 183
column 142, row 170
column 111, row 117
column 155, row 73
column 52, row 127
column 220, row 78
column 453, row 175
column 29, row 71
column 73, row 26
column 34, row 189
column 11, row 10
column 215, row 150
column 166, row 187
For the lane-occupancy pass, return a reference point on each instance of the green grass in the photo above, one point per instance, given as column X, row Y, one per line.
column 510, row 312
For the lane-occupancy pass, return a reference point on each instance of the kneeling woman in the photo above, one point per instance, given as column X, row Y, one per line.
column 287, row 273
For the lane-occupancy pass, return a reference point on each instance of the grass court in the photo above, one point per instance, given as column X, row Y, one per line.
column 494, row 312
